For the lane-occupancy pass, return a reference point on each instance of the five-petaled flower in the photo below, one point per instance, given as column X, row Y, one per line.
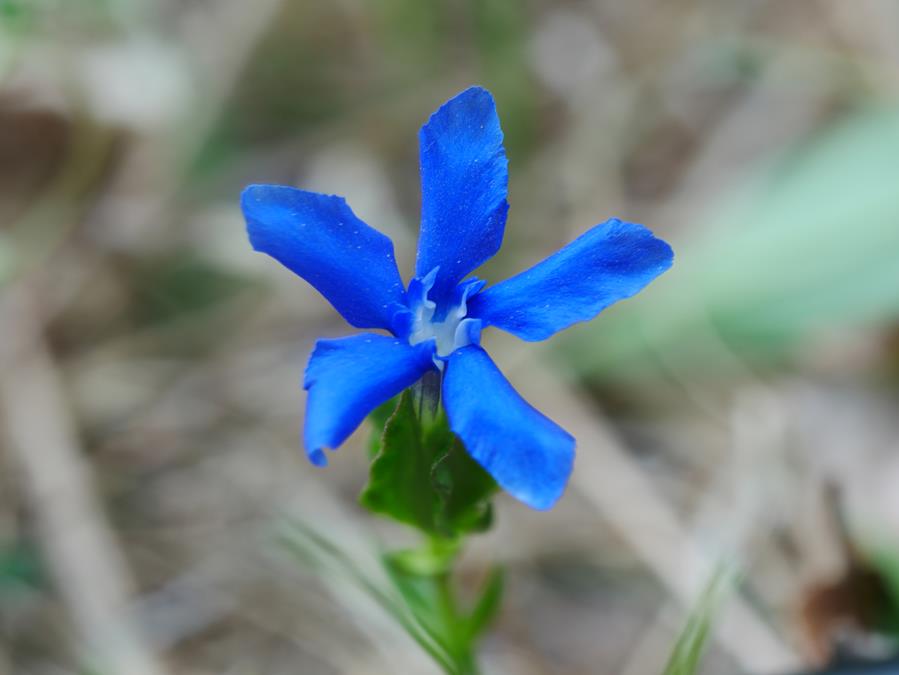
column 436, row 322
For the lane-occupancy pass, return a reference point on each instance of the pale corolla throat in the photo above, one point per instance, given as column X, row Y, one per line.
column 444, row 322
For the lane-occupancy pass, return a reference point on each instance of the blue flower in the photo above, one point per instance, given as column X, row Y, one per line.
column 436, row 322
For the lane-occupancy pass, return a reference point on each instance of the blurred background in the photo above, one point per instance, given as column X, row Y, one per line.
column 742, row 411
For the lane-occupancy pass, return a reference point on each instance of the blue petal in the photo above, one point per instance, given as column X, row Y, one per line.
column 528, row 454
column 321, row 239
column 606, row 264
column 463, row 184
column 349, row 377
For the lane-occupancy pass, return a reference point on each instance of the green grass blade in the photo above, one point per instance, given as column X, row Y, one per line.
column 690, row 646
column 322, row 554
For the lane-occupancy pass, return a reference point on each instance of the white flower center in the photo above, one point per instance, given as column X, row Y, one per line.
column 452, row 331
column 448, row 334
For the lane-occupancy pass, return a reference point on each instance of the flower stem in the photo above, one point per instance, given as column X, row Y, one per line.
column 426, row 395
column 456, row 632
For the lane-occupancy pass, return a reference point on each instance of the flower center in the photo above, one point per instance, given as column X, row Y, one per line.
column 448, row 335
column 445, row 323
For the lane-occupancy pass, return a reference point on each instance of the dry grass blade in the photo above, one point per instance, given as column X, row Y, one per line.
column 77, row 540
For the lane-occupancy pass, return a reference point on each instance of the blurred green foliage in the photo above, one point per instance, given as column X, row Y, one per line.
column 13, row 11
column 181, row 285
column 805, row 246
column 885, row 561
column 19, row 566
column 501, row 31
column 313, row 70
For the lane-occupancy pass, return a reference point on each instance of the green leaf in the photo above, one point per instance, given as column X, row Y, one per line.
column 378, row 417
column 422, row 476
column 690, row 646
column 465, row 488
column 400, row 479
column 488, row 604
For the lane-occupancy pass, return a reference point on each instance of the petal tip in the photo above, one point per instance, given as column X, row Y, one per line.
column 249, row 192
column 474, row 99
column 475, row 91
column 317, row 457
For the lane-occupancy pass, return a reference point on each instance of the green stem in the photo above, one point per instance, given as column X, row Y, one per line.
column 459, row 640
column 426, row 396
